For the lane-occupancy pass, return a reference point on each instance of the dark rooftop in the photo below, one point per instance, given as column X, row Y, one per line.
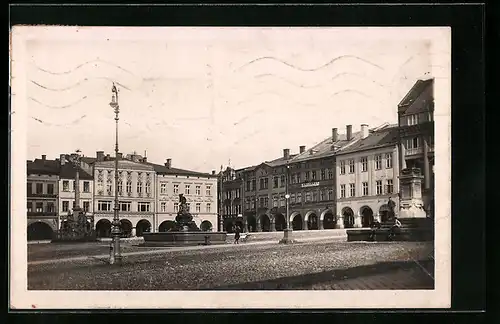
column 161, row 169
column 378, row 138
column 414, row 93
column 53, row 167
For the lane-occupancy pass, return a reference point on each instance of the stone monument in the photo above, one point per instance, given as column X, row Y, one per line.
column 411, row 204
column 184, row 219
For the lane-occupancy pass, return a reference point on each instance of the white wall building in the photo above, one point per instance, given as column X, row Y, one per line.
column 367, row 175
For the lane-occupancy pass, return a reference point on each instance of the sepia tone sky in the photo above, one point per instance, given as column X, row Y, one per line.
column 204, row 96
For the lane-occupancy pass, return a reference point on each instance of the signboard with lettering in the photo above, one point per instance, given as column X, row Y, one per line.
column 310, row 184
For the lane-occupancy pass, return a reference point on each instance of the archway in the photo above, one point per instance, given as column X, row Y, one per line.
column 166, row 226
column 143, row 226
column 126, row 227
column 297, row 222
column 384, row 213
column 206, row 226
column 366, row 216
column 265, row 223
column 348, row 216
column 228, row 225
column 279, row 222
column 252, row 223
column 103, row 228
column 312, row 221
column 39, row 231
column 329, row 221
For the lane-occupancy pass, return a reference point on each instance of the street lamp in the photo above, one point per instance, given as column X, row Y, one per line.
column 287, row 233
column 115, row 255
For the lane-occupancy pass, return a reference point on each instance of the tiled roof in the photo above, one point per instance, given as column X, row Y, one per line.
column 379, row 138
column 161, row 169
column 88, row 159
column 68, row 171
column 54, row 167
column 413, row 94
column 280, row 161
column 324, row 148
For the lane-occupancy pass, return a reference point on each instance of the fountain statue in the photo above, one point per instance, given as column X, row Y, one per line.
column 184, row 219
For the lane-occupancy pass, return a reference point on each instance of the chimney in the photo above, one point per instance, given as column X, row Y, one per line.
column 302, row 148
column 119, row 155
column 213, row 172
column 168, row 164
column 349, row 132
column 44, row 157
column 100, row 156
column 62, row 158
column 335, row 135
column 364, row 130
column 144, row 159
column 286, row 154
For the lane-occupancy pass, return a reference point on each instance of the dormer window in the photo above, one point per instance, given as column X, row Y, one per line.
column 412, row 120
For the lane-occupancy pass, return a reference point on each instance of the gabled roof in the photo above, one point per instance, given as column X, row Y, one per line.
column 68, row 171
column 39, row 166
column 417, row 89
column 161, row 169
column 324, row 148
column 380, row 138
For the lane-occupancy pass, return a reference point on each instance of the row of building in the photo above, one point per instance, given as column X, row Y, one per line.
column 344, row 181
column 148, row 193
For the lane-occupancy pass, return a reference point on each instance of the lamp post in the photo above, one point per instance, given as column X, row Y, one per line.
column 287, row 233
column 221, row 201
column 115, row 251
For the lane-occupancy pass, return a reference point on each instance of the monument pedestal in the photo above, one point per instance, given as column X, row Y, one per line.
column 411, row 204
column 287, row 236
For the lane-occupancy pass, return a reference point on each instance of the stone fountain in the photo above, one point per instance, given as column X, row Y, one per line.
column 185, row 232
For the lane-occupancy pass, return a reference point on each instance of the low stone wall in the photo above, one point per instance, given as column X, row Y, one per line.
column 381, row 235
column 295, row 235
column 184, row 238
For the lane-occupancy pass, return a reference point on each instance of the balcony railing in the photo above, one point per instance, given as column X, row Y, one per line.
column 418, row 150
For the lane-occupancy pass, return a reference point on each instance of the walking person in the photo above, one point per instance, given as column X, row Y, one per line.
column 394, row 229
column 237, row 231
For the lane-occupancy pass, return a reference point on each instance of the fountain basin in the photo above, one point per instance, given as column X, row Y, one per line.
column 184, row 238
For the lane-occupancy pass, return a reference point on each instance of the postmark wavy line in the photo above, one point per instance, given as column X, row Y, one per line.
column 336, row 59
column 76, row 121
column 79, row 83
column 79, row 66
column 59, row 107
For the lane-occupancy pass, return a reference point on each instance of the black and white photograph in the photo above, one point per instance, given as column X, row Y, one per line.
column 250, row 167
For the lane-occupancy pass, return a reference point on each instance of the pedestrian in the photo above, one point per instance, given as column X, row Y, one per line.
column 395, row 228
column 375, row 225
column 237, row 234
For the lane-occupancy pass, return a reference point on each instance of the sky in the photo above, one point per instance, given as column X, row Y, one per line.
column 207, row 97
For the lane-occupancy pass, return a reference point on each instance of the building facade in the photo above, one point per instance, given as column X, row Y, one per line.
column 67, row 183
column 199, row 189
column 42, row 198
column 230, row 198
column 367, row 176
column 416, row 136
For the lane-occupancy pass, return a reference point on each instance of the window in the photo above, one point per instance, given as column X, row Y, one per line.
column 238, row 193
column 379, row 187
column 254, row 185
column 163, row 206
column 342, row 191
column 342, row 167
column 86, row 206
column 109, row 187
column 261, row 184
column 330, row 173
column 315, row 196
column 275, row 182
column 282, row 180
column 299, row 197
column 129, row 187
column 29, row 188
column 86, row 186
column 390, row 186
column 176, row 207
column 248, row 185
column 29, row 206
column 102, row 205
column 143, row 206
column 351, row 166
column 208, row 190
column 65, row 185
column 313, row 175
column 39, row 188
column 322, row 195
column 412, row 120
column 299, row 180
column 308, row 196
column 266, row 183
column 330, row 194
column 364, row 164
column 307, row 175
column 378, row 162
column 39, row 207
column 148, row 187
column 198, row 207
column 163, row 188
column 125, row 206
column 292, row 199
column 120, row 186
column 323, row 174
column 198, row 190
column 139, row 187
column 388, row 160
column 352, row 189
column 65, row 206
column 282, row 201
column 413, row 143
column 49, row 207
column 209, row 206
column 365, row 188
column 176, row 188
column 50, row 188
